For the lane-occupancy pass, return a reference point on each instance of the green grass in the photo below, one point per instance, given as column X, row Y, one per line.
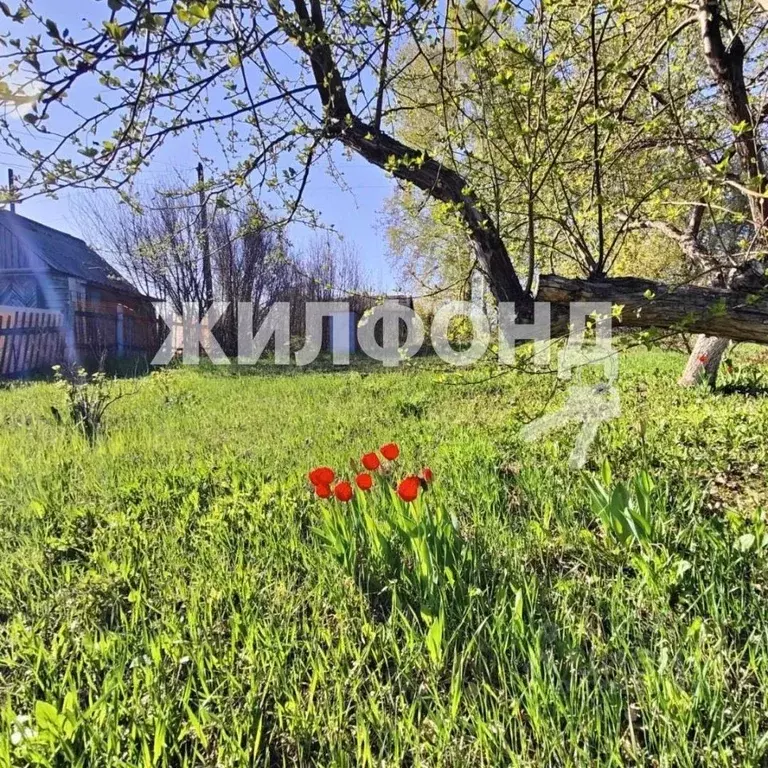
column 166, row 597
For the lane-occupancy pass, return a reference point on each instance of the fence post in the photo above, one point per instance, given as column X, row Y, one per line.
column 120, row 331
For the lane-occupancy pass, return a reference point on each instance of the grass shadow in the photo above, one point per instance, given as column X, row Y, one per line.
column 745, row 390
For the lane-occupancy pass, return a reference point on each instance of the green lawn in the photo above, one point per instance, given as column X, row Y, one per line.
column 166, row 597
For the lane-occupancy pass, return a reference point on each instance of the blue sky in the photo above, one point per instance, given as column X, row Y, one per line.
column 353, row 213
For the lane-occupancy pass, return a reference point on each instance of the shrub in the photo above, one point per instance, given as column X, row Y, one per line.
column 89, row 396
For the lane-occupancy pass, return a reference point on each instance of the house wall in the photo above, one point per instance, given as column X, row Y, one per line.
column 25, row 280
column 28, row 288
column 94, row 319
column 20, row 291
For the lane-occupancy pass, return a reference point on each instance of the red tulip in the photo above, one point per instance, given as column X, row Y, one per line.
column 364, row 481
column 390, row 451
column 343, row 491
column 370, row 461
column 427, row 475
column 323, row 491
column 408, row 489
column 321, row 476
column 703, row 359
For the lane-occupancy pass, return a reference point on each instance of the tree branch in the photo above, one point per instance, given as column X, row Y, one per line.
column 404, row 162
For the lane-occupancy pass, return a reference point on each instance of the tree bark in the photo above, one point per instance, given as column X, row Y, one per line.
column 730, row 314
column 704, row 361
column 726, row 63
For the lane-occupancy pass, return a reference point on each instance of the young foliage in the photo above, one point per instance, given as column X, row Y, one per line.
column 625, row 512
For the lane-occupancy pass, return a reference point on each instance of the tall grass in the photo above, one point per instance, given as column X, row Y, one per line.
column 166, row 597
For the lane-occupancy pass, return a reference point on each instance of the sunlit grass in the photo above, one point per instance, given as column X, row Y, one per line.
column 165, row 597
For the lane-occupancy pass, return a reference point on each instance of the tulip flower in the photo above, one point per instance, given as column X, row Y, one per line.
column 364, row 481
column 370, row 461
column 390, row 451
column 343, row 491
column 408, row 489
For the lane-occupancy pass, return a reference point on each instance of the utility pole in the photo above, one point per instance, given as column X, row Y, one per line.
column 205, row 240
column 11, row 185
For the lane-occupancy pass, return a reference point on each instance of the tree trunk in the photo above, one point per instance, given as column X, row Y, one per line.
column 377, row 147
column 726, row 63
column 704, row 362
column 730, row 314
column 446, row 185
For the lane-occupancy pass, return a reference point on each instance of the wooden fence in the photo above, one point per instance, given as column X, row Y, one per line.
column 115, row 330
column 30, row 339
column 35, row 339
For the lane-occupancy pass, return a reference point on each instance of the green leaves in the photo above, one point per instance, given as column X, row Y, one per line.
column 53, row 725
column 741, row 128
column 414, row 551
column 194, row 13
column 115, row 30
column 745, row 542
column 506, row 77
column 46, row 716
column 718, row 309
column 469, row 39
column 52, row 29
column 624, row 512
column 722, row 166
column 434, row 640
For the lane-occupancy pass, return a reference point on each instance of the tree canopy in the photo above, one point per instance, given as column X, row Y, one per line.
column 547, row 134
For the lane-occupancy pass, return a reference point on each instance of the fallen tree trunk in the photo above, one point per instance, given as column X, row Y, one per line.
column 740, row 316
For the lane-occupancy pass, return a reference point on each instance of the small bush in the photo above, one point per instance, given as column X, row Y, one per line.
column 89, row 396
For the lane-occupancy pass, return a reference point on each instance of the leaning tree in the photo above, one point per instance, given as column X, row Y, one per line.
column 670, row 92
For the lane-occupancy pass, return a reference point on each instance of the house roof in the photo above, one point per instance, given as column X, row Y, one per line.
column 64, row 253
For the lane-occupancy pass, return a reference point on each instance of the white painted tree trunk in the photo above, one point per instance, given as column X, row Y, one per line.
column 704, row 361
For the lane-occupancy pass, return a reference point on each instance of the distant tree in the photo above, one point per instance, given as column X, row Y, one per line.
column 154, row 241
column 328, row 269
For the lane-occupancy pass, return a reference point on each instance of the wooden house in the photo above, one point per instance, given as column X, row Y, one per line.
column 51, row 280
